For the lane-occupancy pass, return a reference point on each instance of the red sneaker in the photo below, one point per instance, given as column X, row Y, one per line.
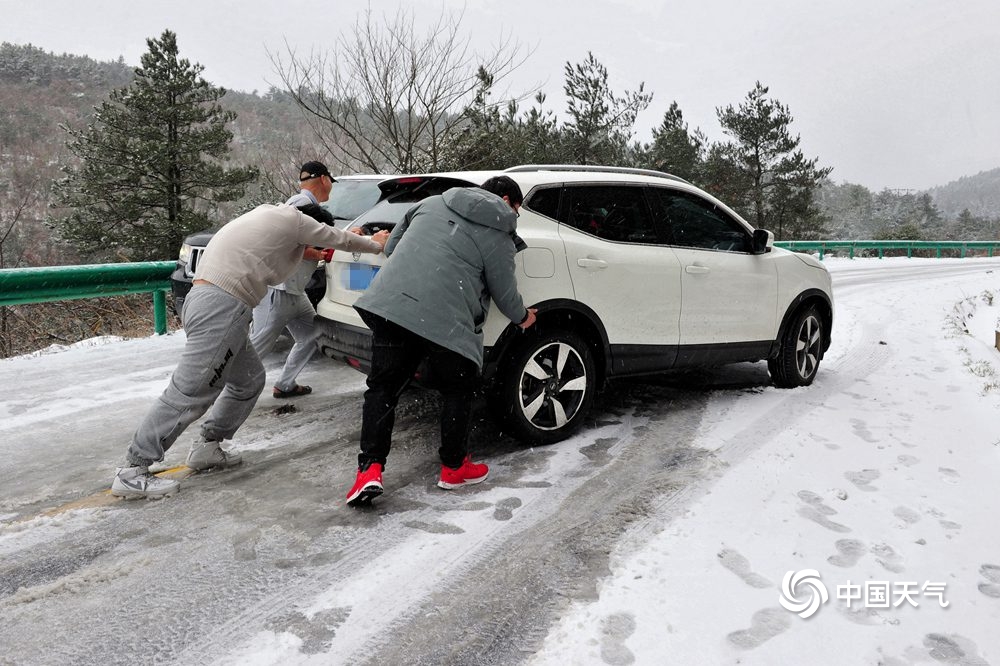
column 465, row 475
column 366, row 487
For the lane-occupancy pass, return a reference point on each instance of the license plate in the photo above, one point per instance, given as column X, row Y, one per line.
column 359, row 276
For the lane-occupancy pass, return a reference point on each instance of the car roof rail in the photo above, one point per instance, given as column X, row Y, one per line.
column 595, row 168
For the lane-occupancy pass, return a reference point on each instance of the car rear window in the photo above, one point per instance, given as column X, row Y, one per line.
column 402, row 195
column 350, row 198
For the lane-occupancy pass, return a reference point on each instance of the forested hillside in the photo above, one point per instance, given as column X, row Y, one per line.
column 39, row 92
column 980, row 194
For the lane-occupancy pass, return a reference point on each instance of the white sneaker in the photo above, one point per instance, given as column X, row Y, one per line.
column 209, row 454
column 139, row 482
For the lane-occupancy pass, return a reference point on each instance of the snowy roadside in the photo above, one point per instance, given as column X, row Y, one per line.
column 887, row 477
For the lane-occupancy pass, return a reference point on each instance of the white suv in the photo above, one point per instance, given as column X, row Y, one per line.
column 632, row 271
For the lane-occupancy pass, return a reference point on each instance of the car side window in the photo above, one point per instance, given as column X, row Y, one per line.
column 687, row 220
column 544, row 201
column 612, row 212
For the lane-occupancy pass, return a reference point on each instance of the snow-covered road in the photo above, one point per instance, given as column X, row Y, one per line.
column 660, row 534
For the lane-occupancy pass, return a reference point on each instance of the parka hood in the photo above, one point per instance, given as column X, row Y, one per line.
column 485, row 208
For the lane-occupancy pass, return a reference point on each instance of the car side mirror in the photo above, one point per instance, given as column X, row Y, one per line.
column 763, row 241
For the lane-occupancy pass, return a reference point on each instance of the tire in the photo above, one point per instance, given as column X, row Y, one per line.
column 800, row 350
column 544, row 387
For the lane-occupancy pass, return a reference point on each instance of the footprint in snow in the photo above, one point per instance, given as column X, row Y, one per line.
column 740, row 566
column 953, row 649
column 991, row 572
column 811, row 513
column 434, row 528
column 863, row 479
column 817, row 511
column 950, row 525
column 505, row 508
column 614, row 630
column 861, row 430
column 907, row 515
column 815, row 501
column 764, row 625
column 888, row 558
column 849, row 551
column 948, row 475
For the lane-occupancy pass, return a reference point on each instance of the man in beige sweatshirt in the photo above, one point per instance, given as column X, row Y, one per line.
column 219, row 368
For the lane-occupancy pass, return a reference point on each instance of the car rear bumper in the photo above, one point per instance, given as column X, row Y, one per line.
column 344, row 342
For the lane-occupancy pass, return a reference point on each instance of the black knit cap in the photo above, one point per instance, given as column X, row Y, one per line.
column 317, row 213
column 314, row 170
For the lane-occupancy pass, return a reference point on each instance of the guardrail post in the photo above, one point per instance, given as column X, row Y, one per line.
column 160, row 312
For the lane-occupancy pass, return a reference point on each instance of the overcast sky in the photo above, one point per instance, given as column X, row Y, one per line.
column 890, row 93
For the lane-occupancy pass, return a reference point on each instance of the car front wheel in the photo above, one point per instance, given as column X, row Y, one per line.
column 800, row 350
column 545, row 386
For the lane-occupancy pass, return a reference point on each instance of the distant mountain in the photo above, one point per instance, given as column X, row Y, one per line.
column 980, row 194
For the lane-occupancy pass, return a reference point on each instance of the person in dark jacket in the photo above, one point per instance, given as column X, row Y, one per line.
column 449, row 257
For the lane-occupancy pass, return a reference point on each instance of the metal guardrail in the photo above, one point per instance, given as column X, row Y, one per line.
column 910, row 246
column 45, row 284
column 20, row 286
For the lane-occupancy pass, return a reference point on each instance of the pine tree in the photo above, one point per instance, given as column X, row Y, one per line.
column 675, row 149
column 151, row 162
column 602, row 123
column 778, row 181
column 495, row 139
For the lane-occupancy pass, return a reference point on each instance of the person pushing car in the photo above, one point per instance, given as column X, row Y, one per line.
column 219, row 368
column 449, row 257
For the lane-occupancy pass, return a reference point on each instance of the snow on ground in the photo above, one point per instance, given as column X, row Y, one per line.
column 883, row 475
column 885, row 487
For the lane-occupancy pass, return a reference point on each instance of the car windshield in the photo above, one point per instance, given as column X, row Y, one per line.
column 350, row 198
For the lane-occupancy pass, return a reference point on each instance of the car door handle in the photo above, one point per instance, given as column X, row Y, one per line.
column 695, row 269
column 591, row 263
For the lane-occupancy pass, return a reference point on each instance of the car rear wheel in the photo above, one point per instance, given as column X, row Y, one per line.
column 545, row 386
column 800, row 350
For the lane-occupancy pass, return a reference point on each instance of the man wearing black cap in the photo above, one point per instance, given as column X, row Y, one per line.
column 316, row 183
column 286, row 305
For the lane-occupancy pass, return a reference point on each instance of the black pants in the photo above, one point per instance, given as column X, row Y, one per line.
column 396, row 354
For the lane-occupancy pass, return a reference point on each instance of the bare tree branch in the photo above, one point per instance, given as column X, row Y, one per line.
column 387, row 99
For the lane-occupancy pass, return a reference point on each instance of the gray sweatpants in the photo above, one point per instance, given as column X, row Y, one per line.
column 218, row 369
column 279, row 310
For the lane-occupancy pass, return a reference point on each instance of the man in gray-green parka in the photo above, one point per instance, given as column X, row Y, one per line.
column 450, row 256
